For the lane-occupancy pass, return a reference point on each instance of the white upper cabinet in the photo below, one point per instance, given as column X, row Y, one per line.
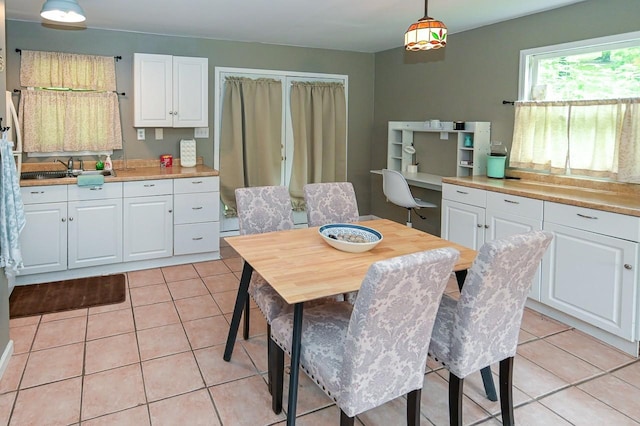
column 170, row 91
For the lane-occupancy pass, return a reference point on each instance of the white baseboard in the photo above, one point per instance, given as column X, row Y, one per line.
column 6, row 357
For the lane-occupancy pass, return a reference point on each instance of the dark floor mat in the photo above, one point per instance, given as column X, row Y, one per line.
column 58, row 296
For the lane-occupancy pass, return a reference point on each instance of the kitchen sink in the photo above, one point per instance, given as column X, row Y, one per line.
column 57, row 174
column 44, row 174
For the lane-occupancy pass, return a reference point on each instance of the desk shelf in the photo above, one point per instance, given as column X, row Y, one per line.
column 469, row 160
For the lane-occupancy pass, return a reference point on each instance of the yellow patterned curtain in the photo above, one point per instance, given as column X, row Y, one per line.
column 68, row 70
column 84, row 116
column 70, row 121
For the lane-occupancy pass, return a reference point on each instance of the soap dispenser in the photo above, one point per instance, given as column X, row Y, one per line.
column 107, row 163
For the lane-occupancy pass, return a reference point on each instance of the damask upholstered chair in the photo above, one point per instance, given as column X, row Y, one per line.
column 366, row 354
column 264, row 209
column 482, row 327
column 331, row 202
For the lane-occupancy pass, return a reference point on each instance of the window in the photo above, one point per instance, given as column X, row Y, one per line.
column 579, row 111
column 604, row 68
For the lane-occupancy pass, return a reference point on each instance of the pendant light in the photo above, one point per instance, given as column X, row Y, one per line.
column 62, row 11
column 426, row 34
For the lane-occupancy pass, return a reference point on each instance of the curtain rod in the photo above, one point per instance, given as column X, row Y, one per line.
column 118, row 93
column 117, row 58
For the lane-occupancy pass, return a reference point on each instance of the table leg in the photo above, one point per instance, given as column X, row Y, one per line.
column 487, row 378
column 242, row 296
column 295, row 364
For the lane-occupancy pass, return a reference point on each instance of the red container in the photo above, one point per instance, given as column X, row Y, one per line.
column 166, row 160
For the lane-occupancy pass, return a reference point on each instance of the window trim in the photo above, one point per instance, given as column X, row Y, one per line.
column 529, row 57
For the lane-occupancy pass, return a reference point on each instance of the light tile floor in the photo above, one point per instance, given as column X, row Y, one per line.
column 157, row 359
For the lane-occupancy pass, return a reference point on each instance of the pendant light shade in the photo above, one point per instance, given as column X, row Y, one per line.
column 426, row 34
column 62, row 11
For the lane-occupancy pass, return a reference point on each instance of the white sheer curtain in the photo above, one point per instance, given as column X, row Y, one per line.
column 594, row 138
column 81, row 114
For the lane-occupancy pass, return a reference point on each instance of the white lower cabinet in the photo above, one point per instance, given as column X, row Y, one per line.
column 472, row 216
column 43, row 240
column 94, row 225
column 590, row 270
column 196, row 223
column 148, row 220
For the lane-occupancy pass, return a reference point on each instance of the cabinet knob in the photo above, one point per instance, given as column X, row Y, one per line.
column 70, row 219
column 64, row 219
column 486, row 227
column 170, row 211
column 170, row 112
column 627, row 266
column 479, row 225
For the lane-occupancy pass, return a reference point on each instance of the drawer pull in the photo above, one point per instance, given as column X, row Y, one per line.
column 37, row 192
column 197, row 238
column 585, row 216
column 627, row 266
column 512, row 202
column 149, row 185
column 196, row 208
column 195, row 182
column 95, row 188
column 462, row 192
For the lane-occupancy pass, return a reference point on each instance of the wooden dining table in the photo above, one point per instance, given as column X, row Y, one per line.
column 301, row 267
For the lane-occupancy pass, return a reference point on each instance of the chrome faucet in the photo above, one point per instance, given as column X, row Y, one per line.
column 68, row 164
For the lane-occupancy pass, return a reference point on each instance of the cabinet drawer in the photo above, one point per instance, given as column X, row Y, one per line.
column 197, row 184
column 599, row 221
column 144, row 188
column 463, row 194
column 196, row 238
column 194, row 208
column 43, row 194
column 108, row 190
column 513, row 204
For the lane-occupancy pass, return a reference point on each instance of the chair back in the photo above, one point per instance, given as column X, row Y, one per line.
column 263, row 209
column 331, row 202
column 396, row 189
column 385, row 349
column 489, row 311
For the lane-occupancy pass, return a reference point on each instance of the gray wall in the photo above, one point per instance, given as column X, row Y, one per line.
column 470, row 77
column 358, row 66
column 4, row 289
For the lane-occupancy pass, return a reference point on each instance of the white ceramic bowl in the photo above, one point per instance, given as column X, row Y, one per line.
column 338, row 234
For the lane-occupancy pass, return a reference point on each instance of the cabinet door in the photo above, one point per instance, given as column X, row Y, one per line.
column 592, row 277
column 95, row 232
column 190, row 92
column 152, row 87
column 503, row 225
column 43, row 240
column 463, row 224
column 148, row 227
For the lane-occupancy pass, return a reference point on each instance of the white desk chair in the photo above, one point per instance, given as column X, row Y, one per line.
column 396, row 189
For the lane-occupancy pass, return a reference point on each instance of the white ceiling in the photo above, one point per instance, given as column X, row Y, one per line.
column 353, row 25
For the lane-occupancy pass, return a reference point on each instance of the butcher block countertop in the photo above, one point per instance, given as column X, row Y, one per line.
column 133, row 171
column 613, row 197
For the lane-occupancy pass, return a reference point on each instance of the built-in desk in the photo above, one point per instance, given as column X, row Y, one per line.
column 422, row 180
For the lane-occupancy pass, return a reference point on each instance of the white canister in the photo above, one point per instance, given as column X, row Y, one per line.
column 434, row 124
column 412, row 168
